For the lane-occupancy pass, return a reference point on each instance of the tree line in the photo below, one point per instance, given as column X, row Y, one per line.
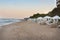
column 55, row 11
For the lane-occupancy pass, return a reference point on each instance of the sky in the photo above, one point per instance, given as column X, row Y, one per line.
column 25, row 8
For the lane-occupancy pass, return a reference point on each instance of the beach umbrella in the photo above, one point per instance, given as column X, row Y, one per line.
column 39, row 18
column 59, row 17
column 56, row 17
column 47, row 17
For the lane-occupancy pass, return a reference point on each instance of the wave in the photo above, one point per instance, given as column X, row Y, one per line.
column 4, row 21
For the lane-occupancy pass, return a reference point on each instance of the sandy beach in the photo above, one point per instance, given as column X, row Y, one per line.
column 28, row 30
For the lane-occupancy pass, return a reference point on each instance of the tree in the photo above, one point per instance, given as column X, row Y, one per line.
column 55, row 11
column 38, row 15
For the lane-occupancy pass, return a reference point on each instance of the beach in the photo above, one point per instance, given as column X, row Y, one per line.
column 28, row 30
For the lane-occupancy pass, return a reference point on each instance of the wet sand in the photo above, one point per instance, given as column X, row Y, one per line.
column 28, row 30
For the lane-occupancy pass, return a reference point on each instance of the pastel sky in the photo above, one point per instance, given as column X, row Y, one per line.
column 25, row 8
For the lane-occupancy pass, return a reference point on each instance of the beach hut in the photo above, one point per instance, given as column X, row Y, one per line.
column 47, row 19
column 39, row 19
column 55, row 19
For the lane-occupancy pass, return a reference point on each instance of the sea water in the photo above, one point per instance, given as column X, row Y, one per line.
column 4, row 21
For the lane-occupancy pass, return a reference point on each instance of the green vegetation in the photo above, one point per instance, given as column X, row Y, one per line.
column 38, row 15
column 55, row 11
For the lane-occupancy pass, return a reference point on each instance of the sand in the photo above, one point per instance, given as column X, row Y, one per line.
column 28, row 30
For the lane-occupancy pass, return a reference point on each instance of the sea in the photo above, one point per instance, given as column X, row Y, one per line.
column 6, row 21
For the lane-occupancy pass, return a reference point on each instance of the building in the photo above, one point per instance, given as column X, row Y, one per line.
column 58, row 3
